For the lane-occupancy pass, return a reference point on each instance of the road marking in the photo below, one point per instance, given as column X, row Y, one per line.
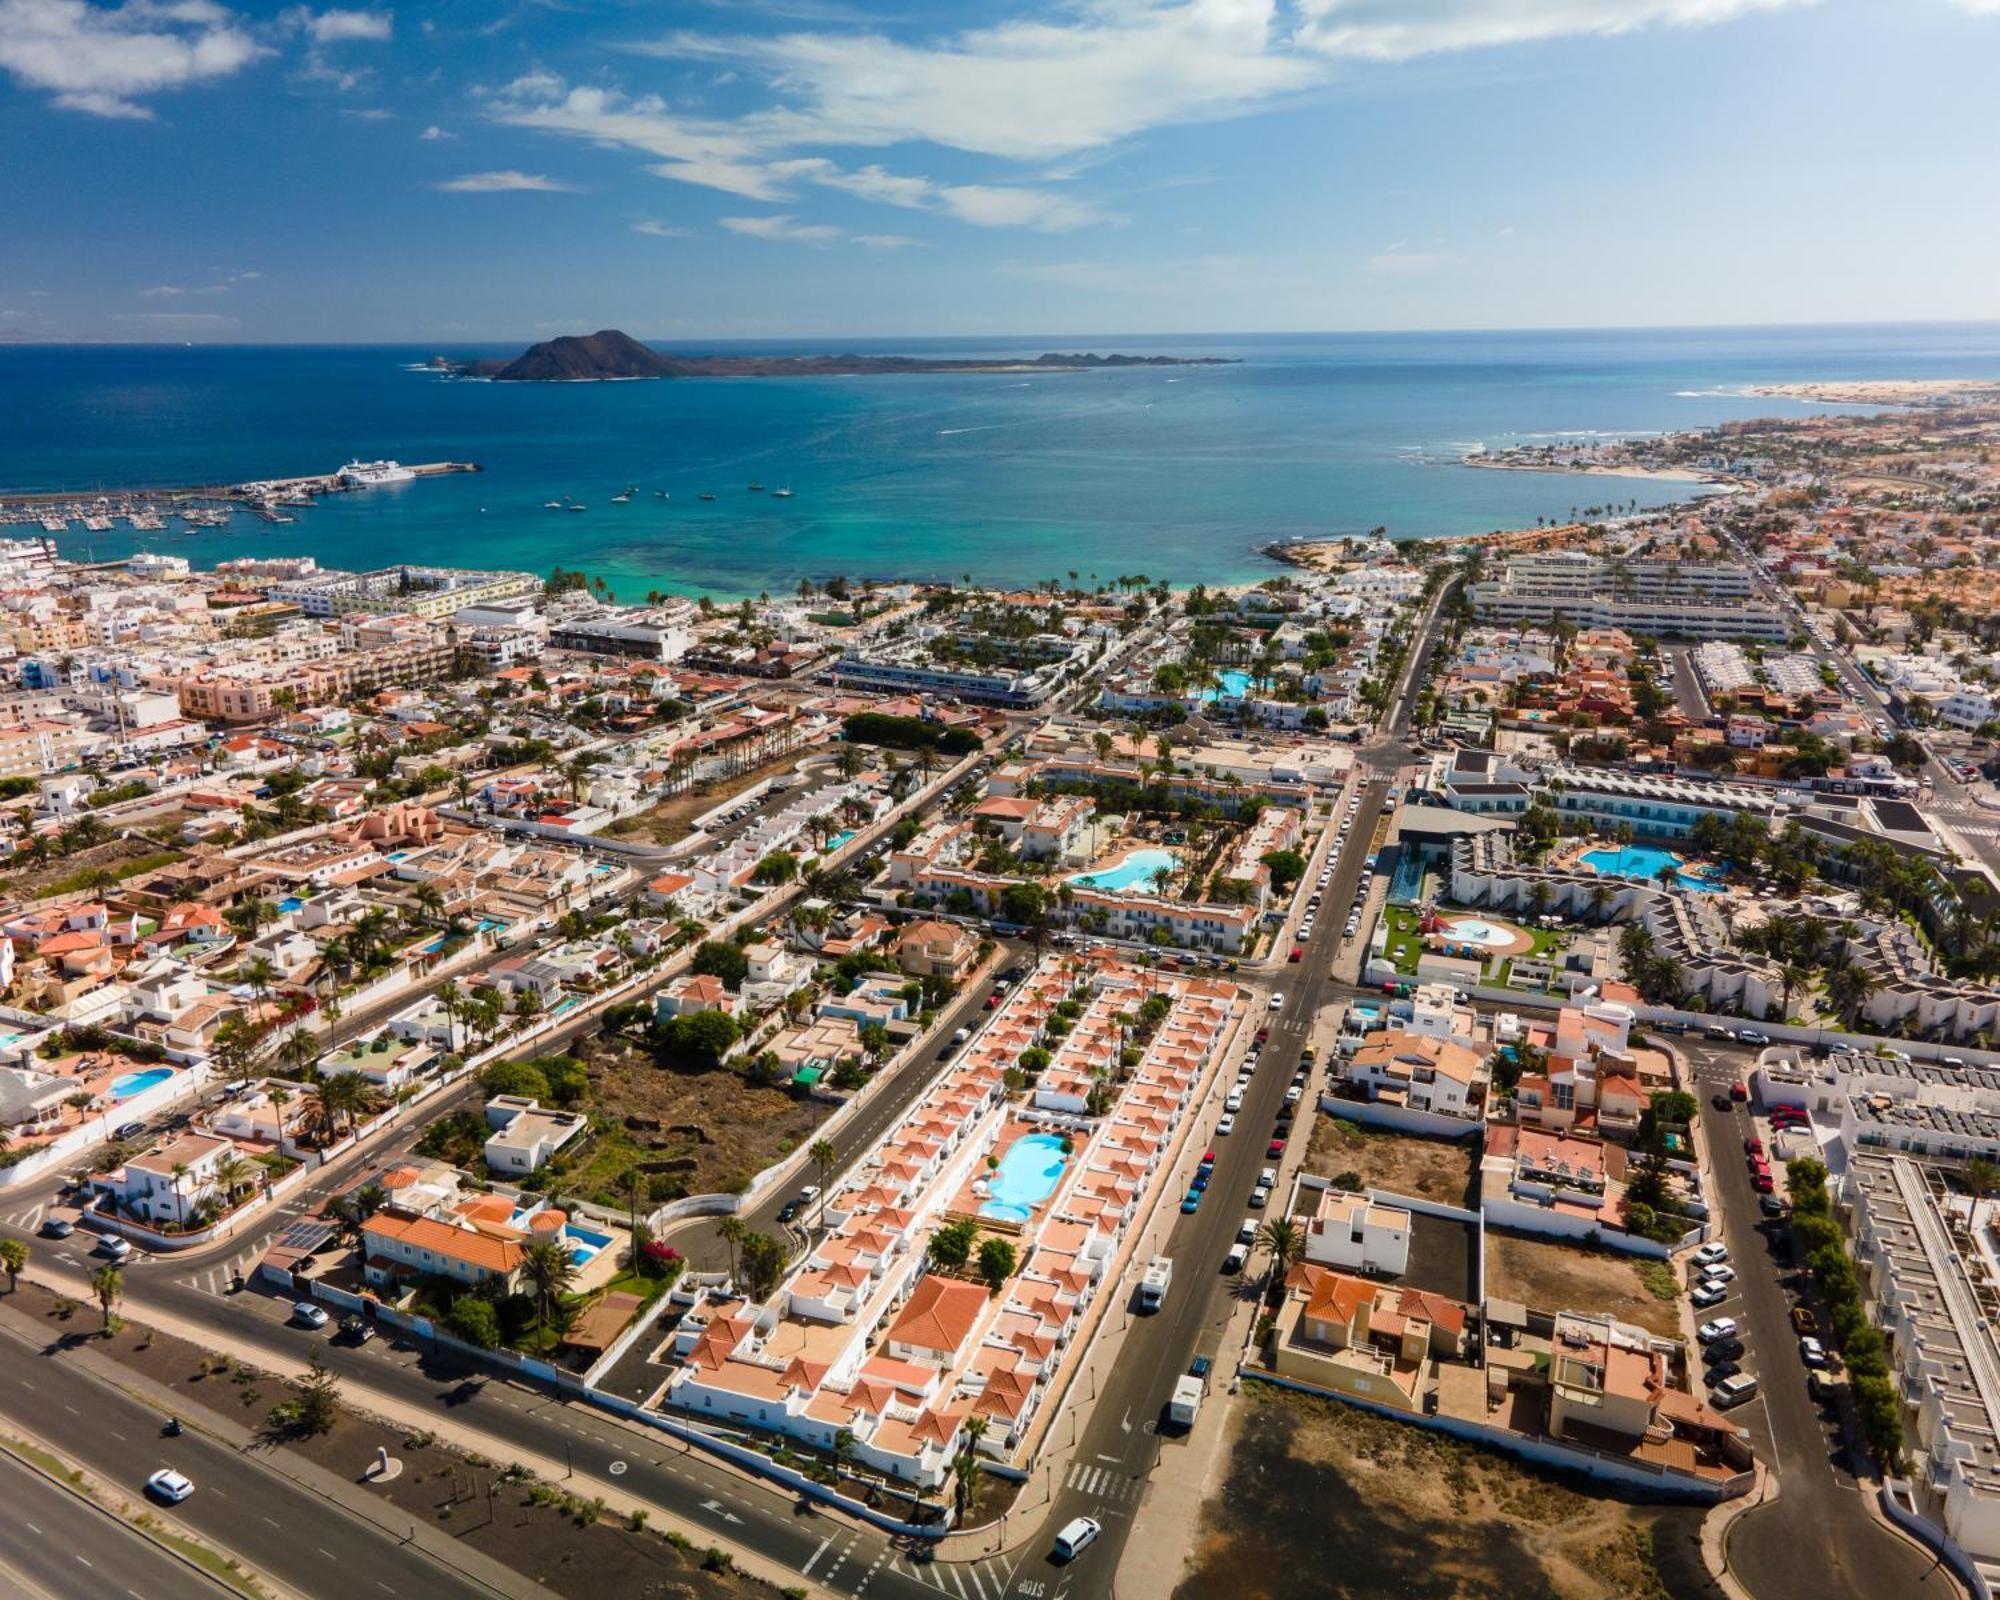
column 813, row 1559
column 977, row 1583
column 959, row 1581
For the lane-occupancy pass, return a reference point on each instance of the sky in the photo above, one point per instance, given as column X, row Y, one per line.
column 498, row 170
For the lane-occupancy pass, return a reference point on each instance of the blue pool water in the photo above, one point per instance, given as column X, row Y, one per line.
column 1136, row 869
column 1235, row 685
column 1642, row 863
column 488, row 925
column 1026, row 1177
column 838, row 840
column 290, row 903
column 585, row 1243
column 396, row 855
column 127, row 1084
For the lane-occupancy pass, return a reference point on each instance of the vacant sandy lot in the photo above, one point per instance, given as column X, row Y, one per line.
column 1431, row 1169
column 1551, row 1276
column 672, row 820
column 1369, row 1507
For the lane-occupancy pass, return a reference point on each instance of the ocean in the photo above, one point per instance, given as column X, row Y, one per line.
column 1180, row 474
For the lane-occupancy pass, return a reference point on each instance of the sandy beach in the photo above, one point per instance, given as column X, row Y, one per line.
column 1889, row 391
column 1593, row 470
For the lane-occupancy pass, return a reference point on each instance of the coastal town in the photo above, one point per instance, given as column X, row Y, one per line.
column 902, row 1087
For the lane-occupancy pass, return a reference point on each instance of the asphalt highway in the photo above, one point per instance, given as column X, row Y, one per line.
column 54, row 1545
column 239, row 1504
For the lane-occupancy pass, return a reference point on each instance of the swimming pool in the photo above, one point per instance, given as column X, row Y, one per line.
column 585, row 1243
column 1477, row 930
column 1137, row 868
column 1026, row 1176
column 290, row 903
column 838, row 840
column 1235, row 685
column 1642, row 864
column 127, row 1084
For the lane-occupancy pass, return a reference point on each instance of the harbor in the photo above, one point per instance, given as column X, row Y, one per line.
column 194, row 506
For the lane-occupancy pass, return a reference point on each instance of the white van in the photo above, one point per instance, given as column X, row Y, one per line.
column 1076, row 1537
column 1733, row 1391
column 1233, row 1262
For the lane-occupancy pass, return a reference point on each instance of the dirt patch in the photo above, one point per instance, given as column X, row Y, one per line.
column 690, row 1132
column 672, row 820
column 1373, row 1507
column 569, row 1546
column 122, row 858
column 1430, row 1169
column 1552, row 1276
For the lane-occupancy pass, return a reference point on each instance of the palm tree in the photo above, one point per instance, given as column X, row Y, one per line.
column 451, row 1001
column 1281, row 1236
column 966, row 1467
column 824, row 1155
column 1791, row 978
column 1980, row 1178
column 734, row 1231
column 549, row 1273
column 260, row 972
column 107, row 1283
column 13, row 1257
column 232, row 1175
column 846, row 1451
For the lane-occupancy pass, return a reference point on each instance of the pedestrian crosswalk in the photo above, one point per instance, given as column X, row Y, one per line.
column 28, row 1218
column 962, row 1580
column 1109, row 1484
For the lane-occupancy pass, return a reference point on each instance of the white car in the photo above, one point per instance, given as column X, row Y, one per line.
column 1234, row 1102
column 1268, row 1178
column 1258, row 1196
column 1277, row 1002
column 1227, row 1125
column 1709, row 1294
column 1718, row 1272
column 1292, row 1095
column 1247, row 1234
column 1812, row 1352
column 1077, row 1536
column 308, row 1314
column 1718, row 1330
column 170, row 1486
column 1717, row 1251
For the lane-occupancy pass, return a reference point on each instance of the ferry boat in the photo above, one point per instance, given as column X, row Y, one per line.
column 364, row 474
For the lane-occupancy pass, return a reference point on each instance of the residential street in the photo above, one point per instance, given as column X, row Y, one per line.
column 1820, row 1506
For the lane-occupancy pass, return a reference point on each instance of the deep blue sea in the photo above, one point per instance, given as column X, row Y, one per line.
column 1180, row 474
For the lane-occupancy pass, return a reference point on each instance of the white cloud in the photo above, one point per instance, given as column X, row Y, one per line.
column 1397, row 30
column 100, row 60
column 783, row 227
column 434, row 132
column 223, row 283
column 693, row 150
column 660, row 230
column 1026, row 90
column 1979, row 8
column 342, row 27
column 503, row 182
column 999, row 206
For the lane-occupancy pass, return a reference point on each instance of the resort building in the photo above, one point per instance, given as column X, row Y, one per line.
column 1667, row 599
column 870, row 1335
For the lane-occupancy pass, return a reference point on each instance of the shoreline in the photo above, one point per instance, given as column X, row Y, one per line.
column 1497, row 463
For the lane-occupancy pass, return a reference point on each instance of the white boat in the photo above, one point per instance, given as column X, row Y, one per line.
column 781, row 494
column 622, row 499
column 364, row 474
column 552, row 505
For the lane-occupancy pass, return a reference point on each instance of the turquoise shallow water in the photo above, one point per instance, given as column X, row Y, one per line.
column 1182, row 473
column 1026, row 1176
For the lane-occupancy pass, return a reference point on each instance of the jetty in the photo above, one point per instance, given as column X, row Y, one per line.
column 53, row 509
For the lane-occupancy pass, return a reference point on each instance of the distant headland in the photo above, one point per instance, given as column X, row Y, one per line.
column 609, row 356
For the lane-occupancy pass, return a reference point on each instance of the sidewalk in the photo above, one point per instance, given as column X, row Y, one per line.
column 372, row 1402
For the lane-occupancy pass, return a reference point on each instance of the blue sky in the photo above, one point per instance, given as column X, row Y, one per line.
column 467, row 170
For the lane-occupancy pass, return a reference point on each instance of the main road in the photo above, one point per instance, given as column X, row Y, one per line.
column 55, row 1543
column 240, row 1505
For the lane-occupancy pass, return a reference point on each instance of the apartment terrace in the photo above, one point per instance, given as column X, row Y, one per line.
column 865, row 1336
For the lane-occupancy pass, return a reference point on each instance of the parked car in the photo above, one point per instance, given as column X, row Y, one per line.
column 1721, row 1101
column 357, row 1329
column 1191, row 1202
column 1247, row 1234
column 1761, row 1182
column 1771, row 1206
column 1716, row 1251
column 1706, row 1295
column 1803, row 1321
column 128, row 1130
column 1718, row 1272
column 1233, row 1261
column 1275, row 1148
column 111, row 1245
column 1739, row 1090
column 1812, row 1352
column 1733, row 1391
column 1227, row 1125
column 308, row 1315
column 1721, row 1370
column 1713, row 1332
column 1258, row 1196
column 58, row 1228
column 1726, row 1350
column 1298, row 952
column 1755, row 1036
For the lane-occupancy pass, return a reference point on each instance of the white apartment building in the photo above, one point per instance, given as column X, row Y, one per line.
column 1352, row 1232
column 1675, row 599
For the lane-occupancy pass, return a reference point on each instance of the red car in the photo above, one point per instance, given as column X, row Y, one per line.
column 1761, row 1182
column 1263, row 1035
column 1298, row 952
column 1739, row 1090
column 992, row 1000
column 1753, row 1145
column 1275, row 1148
